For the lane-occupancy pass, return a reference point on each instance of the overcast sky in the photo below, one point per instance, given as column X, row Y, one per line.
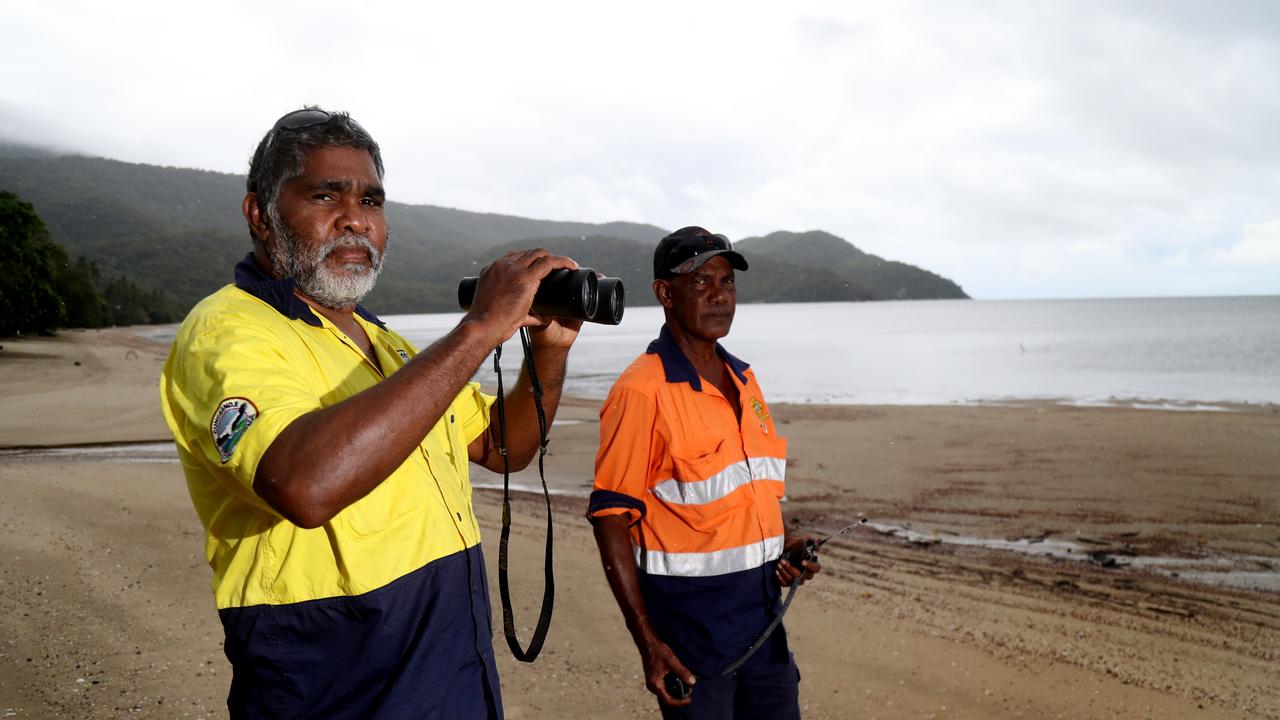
column 1023, row 149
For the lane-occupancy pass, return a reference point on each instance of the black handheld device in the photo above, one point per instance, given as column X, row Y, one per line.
column 675, row 686
column 808, row 552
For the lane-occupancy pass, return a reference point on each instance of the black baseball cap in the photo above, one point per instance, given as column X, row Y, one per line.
column 688, row 249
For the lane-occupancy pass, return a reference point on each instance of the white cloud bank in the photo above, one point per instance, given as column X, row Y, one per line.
column 1259, row 245
column 1024, row 149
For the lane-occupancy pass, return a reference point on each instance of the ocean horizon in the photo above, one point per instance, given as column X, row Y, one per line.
column 1169, row 353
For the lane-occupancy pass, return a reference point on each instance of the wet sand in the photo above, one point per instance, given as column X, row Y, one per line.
column 105, row 609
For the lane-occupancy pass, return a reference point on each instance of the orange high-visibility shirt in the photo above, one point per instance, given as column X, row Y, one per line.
column 700, row 480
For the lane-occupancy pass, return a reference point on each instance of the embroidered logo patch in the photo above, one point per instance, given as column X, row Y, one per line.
column 233, row 416
column 759, row 408
column 403, row 355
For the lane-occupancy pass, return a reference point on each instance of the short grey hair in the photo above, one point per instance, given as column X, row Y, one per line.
column 282, row 151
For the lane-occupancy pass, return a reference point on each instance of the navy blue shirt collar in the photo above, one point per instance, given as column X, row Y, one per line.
column 678, row 368
column 279, row 294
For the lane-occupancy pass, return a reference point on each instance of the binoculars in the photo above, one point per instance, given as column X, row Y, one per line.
column 575, row 294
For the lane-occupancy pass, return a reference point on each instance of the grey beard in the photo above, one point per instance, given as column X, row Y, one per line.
column 305, row 264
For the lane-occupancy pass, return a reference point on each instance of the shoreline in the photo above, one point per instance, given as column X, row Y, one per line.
column 1231, row 570
column 105, row 602
column 951, row 499
column 1245, row 572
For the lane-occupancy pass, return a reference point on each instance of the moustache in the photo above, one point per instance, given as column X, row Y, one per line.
column 339, row 243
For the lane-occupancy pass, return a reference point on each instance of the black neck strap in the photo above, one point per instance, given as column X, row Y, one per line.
column 549, row 585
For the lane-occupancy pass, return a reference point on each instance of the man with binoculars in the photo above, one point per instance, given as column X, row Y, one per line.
column 327, row 457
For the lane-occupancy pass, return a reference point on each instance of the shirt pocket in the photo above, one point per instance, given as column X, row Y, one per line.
column 386, row 505
column 693, row 462
column 705, row 476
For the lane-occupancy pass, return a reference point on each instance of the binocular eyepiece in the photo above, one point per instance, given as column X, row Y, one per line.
column 575, row 294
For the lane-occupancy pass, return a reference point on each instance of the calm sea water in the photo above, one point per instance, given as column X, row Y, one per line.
column 1167, row 352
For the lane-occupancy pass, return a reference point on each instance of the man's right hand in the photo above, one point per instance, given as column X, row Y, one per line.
column 659, row 659
column 302, row 477
column 614, row 541
column 505, row 290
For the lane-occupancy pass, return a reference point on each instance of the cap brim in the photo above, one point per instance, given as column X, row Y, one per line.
column 733, row 256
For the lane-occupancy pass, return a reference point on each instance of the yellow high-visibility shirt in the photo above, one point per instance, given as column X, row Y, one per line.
column 242, row 368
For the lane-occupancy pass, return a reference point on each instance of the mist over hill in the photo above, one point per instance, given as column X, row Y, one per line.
column 10, row 149
column 180, row 230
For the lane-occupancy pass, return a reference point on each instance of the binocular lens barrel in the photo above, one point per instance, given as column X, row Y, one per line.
column 576, row 294
column 610, row 301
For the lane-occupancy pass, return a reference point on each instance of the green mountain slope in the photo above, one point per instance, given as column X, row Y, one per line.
column 180, row 231
column 769, row 280
column 869, row 276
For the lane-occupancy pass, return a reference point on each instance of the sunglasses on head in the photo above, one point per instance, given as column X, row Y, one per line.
column 301, row 120
column 700, row 244
column 716, row 241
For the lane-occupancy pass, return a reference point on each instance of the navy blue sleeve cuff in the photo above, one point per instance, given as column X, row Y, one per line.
column 607, row 500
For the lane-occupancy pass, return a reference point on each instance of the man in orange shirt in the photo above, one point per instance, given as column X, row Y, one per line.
column 686, row 506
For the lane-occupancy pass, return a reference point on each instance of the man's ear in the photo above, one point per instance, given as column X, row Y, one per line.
column 256, row 216
column 662, row 291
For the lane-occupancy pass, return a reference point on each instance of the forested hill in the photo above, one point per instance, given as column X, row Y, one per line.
column 872, row 276
column 180, row 231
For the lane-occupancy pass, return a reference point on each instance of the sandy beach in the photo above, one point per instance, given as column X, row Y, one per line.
column 1018, row 561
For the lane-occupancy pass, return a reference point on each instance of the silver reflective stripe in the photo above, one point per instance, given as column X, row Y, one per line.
column 769, row 468
column 720, row 485
column 699, row 492
column 720, row 562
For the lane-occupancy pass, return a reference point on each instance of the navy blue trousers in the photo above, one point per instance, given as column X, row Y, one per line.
column 419, row 648
column 763, row 689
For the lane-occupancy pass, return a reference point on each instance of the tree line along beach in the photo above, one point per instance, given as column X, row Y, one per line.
column 1059, row 611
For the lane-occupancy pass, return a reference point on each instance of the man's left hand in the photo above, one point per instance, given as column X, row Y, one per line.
column 786, row 572
column 555, row 333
